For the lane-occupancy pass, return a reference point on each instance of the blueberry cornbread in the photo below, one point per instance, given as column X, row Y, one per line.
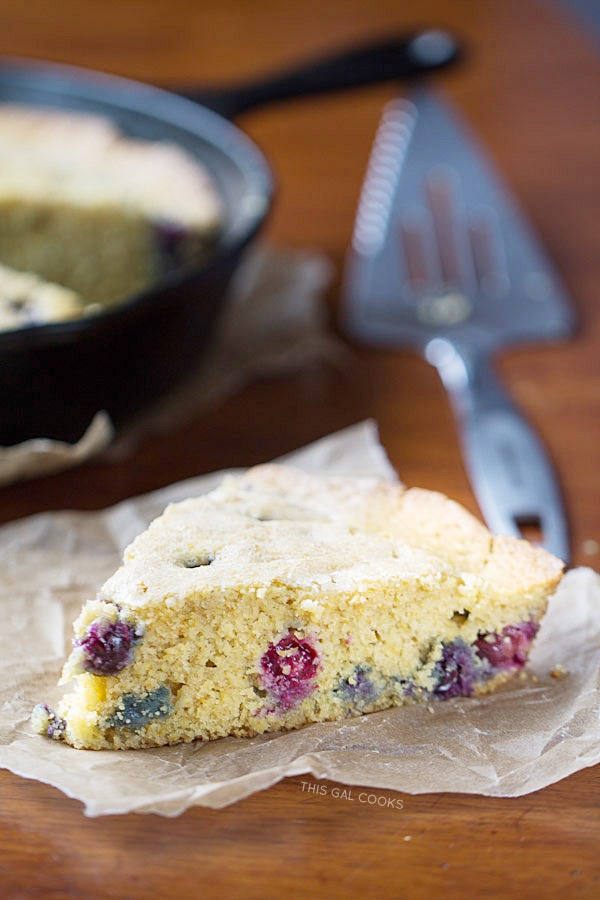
column 103, row 215
column 26, row 299
column 283, row 598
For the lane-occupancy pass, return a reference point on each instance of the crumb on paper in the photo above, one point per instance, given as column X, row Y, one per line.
column 407, row 837
column 527, row 675
column 559, row 671
column 590, row 547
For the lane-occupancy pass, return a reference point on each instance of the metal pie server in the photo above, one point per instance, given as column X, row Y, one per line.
column 443, row 261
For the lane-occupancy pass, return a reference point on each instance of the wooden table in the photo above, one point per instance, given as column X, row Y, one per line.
column 532, row 89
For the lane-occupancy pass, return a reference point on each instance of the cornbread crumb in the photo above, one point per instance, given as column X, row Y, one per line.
column 591, row 547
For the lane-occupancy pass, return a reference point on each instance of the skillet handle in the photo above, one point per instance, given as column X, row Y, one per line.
column 404, row 56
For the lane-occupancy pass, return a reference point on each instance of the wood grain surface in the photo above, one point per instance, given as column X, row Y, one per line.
column 532, row 90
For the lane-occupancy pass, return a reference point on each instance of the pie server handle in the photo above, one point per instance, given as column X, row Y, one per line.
column 511, row 474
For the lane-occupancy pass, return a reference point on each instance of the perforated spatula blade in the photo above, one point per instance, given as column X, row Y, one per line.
column 443, row 261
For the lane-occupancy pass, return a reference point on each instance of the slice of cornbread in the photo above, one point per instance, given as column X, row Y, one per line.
column 85, row 207
column 26, row 299
column 283, row 598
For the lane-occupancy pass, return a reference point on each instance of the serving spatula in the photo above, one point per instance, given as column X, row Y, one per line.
column 443, row 261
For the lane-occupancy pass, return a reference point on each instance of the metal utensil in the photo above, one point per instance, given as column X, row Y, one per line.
column 443, row 261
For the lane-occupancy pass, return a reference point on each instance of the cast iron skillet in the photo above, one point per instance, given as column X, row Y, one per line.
column 55, row 377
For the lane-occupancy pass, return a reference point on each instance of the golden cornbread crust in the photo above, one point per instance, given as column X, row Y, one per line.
column 283, row 598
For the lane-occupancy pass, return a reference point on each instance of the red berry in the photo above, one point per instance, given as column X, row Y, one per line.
column 289, row 669
column 509, row 649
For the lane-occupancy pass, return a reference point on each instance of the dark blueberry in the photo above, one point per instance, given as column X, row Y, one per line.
column 56, row 727
column 289, row 669
column 136, row 710
column 455, row 672
column 47, row 722
column 509, row 649
column 358, row 689
column 170, row 238
column 108, row 646
column 409, row 688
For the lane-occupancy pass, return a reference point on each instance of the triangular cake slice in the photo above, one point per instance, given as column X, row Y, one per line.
column 283, row 598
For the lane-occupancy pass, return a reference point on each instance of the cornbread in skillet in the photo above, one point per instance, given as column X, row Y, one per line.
column 85, row 207
column 26, row 299
column 283, row 598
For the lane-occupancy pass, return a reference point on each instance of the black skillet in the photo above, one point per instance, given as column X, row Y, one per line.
column 54, row 378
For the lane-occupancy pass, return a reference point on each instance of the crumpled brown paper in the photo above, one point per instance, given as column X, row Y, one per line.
column 274, row 322
column 41, row 456
column 519, row 740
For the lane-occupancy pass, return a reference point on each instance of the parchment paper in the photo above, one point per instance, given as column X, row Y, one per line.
column 532, row 734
